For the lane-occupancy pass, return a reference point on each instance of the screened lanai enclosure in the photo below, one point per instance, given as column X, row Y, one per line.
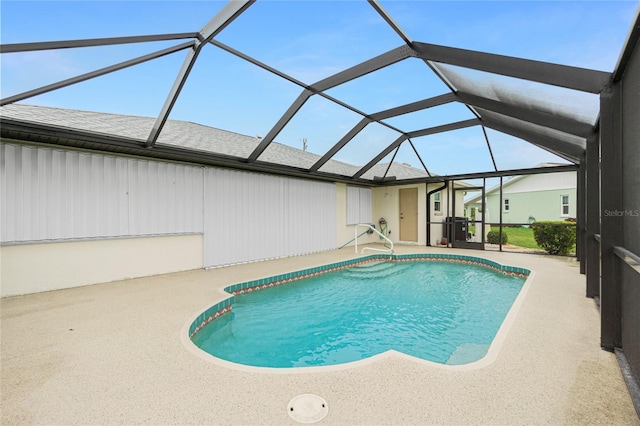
column 237, row 134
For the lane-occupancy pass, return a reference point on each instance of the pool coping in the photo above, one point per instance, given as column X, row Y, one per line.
column 217, row 310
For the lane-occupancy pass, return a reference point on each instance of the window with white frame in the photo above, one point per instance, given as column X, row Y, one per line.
column 358, row 205
column 564, row 205
column 505, row 205
column 437, row 206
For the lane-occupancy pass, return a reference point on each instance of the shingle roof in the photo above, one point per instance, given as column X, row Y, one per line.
column 192, row 136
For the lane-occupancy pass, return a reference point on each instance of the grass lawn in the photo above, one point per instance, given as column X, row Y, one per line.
column 521, row 237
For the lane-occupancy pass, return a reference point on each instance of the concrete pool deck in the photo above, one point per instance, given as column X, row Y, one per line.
column 112, row 354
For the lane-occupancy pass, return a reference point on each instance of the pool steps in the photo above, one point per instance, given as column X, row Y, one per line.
column 375, row 270
column 217, row 310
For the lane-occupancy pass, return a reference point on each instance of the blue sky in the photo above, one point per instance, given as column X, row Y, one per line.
column 311, row 40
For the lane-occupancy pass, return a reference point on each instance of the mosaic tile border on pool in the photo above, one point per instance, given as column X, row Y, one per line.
column 215, row 311
column 212, row 313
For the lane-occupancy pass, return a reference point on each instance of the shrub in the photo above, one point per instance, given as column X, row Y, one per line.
column 493, row 237
column 555, row 237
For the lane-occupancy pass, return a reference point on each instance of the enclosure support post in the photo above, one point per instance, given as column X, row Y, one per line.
column 612, row 232
column 500, row 208
column 581, row 207
column 593, row 215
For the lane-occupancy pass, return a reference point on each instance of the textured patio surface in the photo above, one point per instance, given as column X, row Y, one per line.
column 113, row 354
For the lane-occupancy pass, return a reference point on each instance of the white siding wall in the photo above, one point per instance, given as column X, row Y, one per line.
column 60, row 195
column 49, row 194
column 164, row 198
column 311, row 216
column 253, row 216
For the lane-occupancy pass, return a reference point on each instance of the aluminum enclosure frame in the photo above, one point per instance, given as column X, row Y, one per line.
column 602, row 238
column 560, row 75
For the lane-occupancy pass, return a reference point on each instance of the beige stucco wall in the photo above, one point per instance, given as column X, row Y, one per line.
column 386, row 203
column 31, row 268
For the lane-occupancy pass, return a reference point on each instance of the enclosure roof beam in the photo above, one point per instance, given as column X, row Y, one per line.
column 380, row 156
column 404, row 109
column 432, row 66
column 563, row 149
column 419, row 157
column 498, row 173
column 581, row 79
column 94, row 74
column 418, row 133
column 224, row 17
column 415, row 106
column 389, row 20
column 257, row 63
column 544, row 119
column 486, row 138
column 366, row 67
column 286, row 117
column 381, row 61
column 444, row 128
column 341, row 143
column 292, row 80
column 91, row 42
column 629, row 46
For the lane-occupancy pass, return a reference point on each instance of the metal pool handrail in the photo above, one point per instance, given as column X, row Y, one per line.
column 355, row 232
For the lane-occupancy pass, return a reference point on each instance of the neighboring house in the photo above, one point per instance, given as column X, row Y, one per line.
column 529, row 198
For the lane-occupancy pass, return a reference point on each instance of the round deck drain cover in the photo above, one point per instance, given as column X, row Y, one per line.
column 308, row 408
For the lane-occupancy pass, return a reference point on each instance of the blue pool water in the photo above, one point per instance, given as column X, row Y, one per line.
column 443, row 312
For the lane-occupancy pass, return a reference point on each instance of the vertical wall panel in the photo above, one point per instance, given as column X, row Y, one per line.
column 277, row 217
column 328, row 216
column 251, row 216
column 358, row 205
column 353, row 205
column 365, row 205
column 28, row 197
column 122, row 173
column 9, row 188
column 311, row 216
column 100, row 196
column 85, row 207
column 164, row 198
column 221, row 223
column 55, row 194
column 188, row 215
column 72, row 201
column 295, row 212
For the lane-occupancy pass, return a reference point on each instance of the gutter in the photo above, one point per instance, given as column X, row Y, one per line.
column 444, row 186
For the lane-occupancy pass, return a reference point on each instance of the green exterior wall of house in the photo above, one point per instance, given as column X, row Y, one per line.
column 541, row 205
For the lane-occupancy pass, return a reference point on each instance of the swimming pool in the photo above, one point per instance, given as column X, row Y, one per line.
column 416, row 304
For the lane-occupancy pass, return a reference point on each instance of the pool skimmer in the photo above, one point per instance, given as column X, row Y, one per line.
column 307, row 408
